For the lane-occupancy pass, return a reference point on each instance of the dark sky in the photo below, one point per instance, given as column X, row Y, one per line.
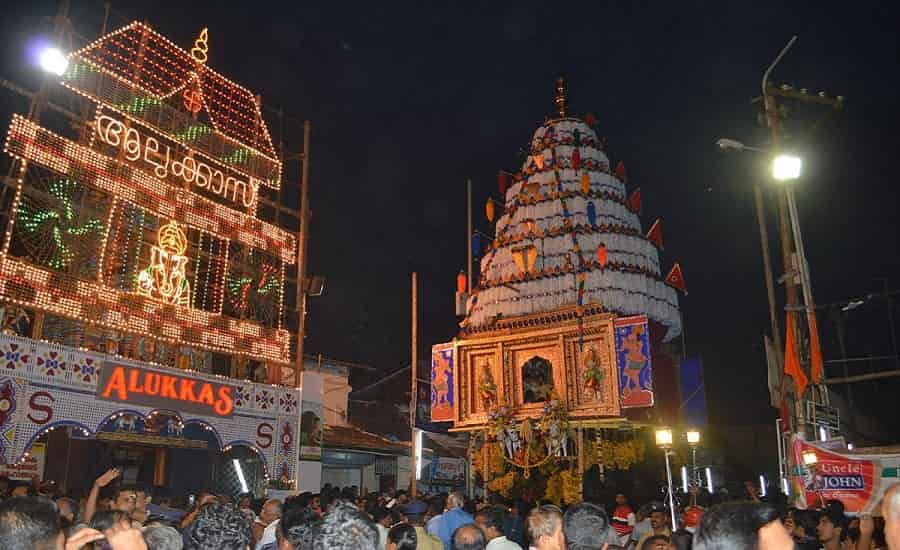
column 408, row 101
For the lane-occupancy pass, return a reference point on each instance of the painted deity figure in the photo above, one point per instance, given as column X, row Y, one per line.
column 166, row 276
column 513, row 442
column 635, row 359
column 487, row 389
column 557, row 439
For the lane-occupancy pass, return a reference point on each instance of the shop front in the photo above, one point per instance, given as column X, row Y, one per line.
column 175, row 428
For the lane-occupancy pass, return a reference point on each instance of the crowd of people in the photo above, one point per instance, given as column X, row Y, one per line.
column 120, row 517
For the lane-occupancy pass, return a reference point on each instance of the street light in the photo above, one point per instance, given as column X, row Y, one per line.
column 693, row 439
column 786, row 167
column 810, row 459
column 664, row 441
column 53, row 61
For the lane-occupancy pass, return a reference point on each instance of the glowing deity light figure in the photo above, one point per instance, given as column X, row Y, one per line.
column 166, row 276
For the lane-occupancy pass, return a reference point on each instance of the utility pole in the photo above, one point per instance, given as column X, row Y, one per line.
column 767, row 268
column 469, row 233
column 301, row 252
column 414, row 390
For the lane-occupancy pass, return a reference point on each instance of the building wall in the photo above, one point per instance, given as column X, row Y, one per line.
column 335, row 395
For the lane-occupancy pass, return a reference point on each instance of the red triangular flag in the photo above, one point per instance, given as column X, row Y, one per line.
column 655, row 234
column 791, row 360
column 620, row 171
column 815, row 349
column 675, row 279
column 634, row 201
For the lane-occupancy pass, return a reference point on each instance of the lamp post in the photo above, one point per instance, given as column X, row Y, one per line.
column 664, row 441
column 693, row 439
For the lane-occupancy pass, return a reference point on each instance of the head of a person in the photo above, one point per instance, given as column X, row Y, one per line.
column 271, row 511
column 401, row 537
column 832, row 525
column 658, row 519
column 490, row 519
column 345, row 528
column 468, row 537
column 382, row 515
column 805, row 523
column 586, row 527
column 30, row 523
column 435, row 507
column 106, row 519
column 142, row 499
column 890, row 510
column 219, row 527
column 751, row 525
column 545, row 528
column 414, row 512
column 656, row 542
column 124, row 499
column 621, row 500
column 295, row 530
column 245, row 500
column 455, row 500
column 402, row 497
column 162, row 537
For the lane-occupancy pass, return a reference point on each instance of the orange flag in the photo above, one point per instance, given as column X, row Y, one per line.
column 815, row 350
column 792, row 360
column 675, row 278
column 655, row 234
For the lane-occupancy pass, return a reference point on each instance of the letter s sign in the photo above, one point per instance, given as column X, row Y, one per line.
column 264, row 435
column 44, row 410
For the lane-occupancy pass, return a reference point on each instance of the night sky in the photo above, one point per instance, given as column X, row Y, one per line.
column 408, row 101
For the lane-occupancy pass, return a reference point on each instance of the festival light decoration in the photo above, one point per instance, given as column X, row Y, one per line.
column 149, row 163
column 166, row 276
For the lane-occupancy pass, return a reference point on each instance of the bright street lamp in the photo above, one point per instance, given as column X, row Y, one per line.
column 53, row 61
column 664, row 438
column 664, row 441
column 810, row 458
column 693, row 437
column 786, row 167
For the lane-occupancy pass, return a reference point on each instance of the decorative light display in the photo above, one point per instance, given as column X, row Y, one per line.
column 166, row 276
column 28, row 141
column 53, row 226
column 165, row 70
column 146, row 153
column 152, row 162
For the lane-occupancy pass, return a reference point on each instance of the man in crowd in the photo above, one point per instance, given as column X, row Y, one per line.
column 544, row 526
column 382, row 518
column 124, row 498
column 742, row 525
column 414, row 514
column 265, row 527
column 804, row 532
column 33, row 523
column 345, row 528
column 219, row 527
column 623, row 520
column 832, row 528
column 453, row 517
column 586, row 527
column 659, row 525
column 467, row 537
column 491, row 520
column 295, row 530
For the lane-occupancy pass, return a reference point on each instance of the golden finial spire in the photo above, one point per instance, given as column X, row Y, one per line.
column 560, row 98
column 201, row 47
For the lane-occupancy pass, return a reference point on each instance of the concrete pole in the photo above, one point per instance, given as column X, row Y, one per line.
column 301, row 252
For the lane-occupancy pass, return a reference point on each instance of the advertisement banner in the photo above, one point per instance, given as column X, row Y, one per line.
column 448, row 470
column 311, row 431
column 693, row 392
column 442, row 380
column 857, row 480
column 633, row 360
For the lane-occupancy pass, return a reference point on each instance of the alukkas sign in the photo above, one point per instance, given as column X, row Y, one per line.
column 150, row 388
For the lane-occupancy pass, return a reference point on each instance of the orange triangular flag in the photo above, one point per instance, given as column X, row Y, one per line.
column 815, row 350
column 791, row 360
column 634, row 201
column 675, row 278
column 655, row 234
